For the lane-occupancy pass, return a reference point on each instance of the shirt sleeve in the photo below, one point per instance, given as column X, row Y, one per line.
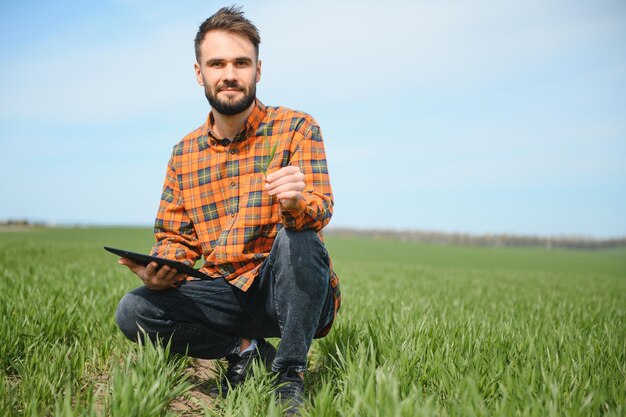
column 173, row 229
column 316, row 208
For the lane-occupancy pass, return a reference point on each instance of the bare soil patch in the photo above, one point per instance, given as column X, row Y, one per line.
column 201, row 374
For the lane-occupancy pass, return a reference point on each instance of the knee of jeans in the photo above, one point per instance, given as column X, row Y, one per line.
column 294, row 242
column 128, row 315
column 304, row 255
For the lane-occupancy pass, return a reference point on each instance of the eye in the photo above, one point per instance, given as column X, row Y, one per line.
column 241, row 63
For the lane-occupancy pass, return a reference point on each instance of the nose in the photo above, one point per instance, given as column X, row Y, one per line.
column 229, row 72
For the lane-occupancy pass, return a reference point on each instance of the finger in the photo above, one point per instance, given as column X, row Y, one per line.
column 162, row 273
column 284, row 171
column 294, row 186
column 151, row 269
column 289, row 195
column 156, row 279
column 163, row 284
column 284, row 176
column 291, row 179
column 127, row 262
column 281, row 172
column 180, row 277
column 133, row 266
column 176, row 278
column 171, row 276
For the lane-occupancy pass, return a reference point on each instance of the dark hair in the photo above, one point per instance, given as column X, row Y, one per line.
column 229, row 19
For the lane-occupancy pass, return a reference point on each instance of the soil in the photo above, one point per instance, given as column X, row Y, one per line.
column 201, row 373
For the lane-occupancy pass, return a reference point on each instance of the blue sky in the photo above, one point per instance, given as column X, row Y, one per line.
column 477, row 116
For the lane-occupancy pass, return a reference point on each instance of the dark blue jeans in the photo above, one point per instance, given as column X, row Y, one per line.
column 290, row 299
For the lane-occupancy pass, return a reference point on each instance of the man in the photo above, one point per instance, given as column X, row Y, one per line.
column 255, row 219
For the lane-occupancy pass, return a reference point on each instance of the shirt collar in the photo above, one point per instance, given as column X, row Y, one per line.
column 250, row 126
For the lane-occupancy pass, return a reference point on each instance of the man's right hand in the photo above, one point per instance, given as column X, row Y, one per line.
column 153, row 276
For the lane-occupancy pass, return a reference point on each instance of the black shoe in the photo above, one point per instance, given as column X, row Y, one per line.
column 290, row 391
column 240, row 366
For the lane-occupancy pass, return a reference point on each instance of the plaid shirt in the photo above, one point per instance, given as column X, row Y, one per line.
column 214, row 203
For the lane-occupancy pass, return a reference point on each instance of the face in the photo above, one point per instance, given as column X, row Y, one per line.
column 228, row 71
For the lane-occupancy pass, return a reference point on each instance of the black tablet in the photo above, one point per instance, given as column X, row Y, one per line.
column 142, row 259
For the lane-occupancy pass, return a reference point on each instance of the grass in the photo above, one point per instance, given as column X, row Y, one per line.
column 424, row 331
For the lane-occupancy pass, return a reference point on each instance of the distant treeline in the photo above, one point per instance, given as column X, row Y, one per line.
column 440, row 238
column 20, row 224
column 437, row 238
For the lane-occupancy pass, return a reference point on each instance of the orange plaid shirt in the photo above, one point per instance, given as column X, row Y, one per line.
column 214, row 203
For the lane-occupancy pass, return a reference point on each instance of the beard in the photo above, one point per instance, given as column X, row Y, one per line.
column 230, row 107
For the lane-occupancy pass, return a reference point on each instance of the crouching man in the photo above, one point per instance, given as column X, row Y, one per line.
column 248, row 191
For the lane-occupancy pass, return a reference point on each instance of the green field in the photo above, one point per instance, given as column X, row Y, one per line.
column 424, row 331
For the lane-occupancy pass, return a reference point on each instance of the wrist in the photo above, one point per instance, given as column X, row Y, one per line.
column 289, row 203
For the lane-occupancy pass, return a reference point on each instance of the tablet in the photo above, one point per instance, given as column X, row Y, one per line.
column 142, row 259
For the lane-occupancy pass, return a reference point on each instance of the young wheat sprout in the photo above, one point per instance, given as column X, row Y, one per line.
column 267, row 161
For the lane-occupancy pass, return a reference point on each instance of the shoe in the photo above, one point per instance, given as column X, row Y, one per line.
column 290, row 391
column 239, row 366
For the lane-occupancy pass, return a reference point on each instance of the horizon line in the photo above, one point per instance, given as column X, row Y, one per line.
column 336, row 229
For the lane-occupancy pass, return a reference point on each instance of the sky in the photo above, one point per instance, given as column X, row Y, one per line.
column 481, row 117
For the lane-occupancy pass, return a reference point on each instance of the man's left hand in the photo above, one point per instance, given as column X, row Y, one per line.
column 287, row 185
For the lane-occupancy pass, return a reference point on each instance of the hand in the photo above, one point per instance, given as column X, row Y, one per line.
column 287, row 185
column 153, row 277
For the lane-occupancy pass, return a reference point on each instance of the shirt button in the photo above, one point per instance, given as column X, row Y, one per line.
column 232, row 184
column 233, row 151
column 232, row 214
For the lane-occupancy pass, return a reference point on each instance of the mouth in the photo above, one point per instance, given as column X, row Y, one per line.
column 230, row 90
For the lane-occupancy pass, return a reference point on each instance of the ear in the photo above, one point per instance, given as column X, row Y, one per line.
column 196, row 68
column 258, row 71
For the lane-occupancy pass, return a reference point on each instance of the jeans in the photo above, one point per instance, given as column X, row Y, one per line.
column 290, row 298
